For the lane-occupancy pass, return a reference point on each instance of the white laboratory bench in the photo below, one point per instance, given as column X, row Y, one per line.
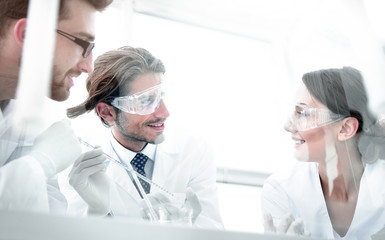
column 31, row 226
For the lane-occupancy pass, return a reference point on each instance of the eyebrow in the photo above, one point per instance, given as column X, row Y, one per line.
column 302, row 104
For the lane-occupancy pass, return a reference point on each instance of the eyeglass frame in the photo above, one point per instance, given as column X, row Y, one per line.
column 86, row 45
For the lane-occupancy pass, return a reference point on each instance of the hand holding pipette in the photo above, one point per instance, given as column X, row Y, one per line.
column 89, row 179
column 129, row 169
column 134, row 175
column 166, row 209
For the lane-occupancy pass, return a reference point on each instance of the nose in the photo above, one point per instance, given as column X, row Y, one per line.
column 85, row 64
column 162, row 111
column 289, row 126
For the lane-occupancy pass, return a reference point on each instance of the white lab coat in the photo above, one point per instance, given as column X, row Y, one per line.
column 299, row 192
column 181, row 162
column 23, row 184
column 22, row 181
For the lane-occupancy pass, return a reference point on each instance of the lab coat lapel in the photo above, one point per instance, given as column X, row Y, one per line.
column 6, row 149
column 121, row 177
column 165, row 159
column 8, row 141
column 8, row 136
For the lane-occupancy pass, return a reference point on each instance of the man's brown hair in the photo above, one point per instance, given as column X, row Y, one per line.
column 11, row 10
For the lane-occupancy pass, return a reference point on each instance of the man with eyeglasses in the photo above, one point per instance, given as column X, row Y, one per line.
column 127, row 92
column 28, row 166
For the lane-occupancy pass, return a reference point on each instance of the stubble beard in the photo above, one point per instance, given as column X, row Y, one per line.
column 135, row 137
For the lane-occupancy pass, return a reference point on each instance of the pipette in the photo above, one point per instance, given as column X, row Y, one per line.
column 113, row 160
column 133, row 174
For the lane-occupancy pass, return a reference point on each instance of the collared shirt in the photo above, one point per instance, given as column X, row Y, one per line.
column 127, row 155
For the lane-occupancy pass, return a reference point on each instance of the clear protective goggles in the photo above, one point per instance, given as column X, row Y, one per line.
column 305, row 117
column 141, row 103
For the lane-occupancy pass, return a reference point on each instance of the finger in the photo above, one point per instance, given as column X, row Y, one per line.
column 296, row 227
column 91, row 162
column 85, row 173
column 268, row 223
column 158, row 198
column 90, row 155
column 161, row 198
column 163, row 213
column 169, row 211
column 145, row 214
column 192, row 198
column 153, row 200
column 87, row 164
column 285, row 223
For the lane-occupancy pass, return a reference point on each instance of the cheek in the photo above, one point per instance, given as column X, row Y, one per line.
column 133, row 121
column 315, row 143
column 67, row 56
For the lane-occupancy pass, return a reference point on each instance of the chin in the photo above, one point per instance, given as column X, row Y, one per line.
column 159, row 139
column 301, row 157
column 60, row 97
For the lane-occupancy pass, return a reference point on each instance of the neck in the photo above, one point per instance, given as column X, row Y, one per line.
column 8, row 84
column 3, row 104
column 9, row 72
column 341, row 174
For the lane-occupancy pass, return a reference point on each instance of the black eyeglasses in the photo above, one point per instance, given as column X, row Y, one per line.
column 87, row 46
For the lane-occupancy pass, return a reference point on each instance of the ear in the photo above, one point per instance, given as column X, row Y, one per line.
column 106, row 111
column 348, row 129
column 19, row 31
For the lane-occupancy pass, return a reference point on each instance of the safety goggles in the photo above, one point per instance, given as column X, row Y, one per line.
column 141, row 103
column 305, row 117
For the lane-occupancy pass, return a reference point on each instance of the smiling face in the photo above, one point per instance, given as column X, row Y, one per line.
column 68, row 61
column 313, row 144
column 134, row 131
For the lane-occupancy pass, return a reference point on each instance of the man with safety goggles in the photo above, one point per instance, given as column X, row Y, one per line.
column 126, row 91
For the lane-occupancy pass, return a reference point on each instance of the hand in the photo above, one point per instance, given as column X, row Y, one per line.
column 89, row 179
column 287, row 225
column 193, row 200
column 168, row 210
column 56, row 148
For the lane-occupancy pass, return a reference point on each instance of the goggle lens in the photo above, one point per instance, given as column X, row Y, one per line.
column 305, row 117
column 142, row 103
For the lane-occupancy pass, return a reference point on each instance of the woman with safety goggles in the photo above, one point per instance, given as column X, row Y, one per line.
column 335, row 190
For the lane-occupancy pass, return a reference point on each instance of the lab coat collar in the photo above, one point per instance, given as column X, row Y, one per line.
column 1, row 115
column 9, row 137
column 127, row 155
column 163, row 155
column 5, row 117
